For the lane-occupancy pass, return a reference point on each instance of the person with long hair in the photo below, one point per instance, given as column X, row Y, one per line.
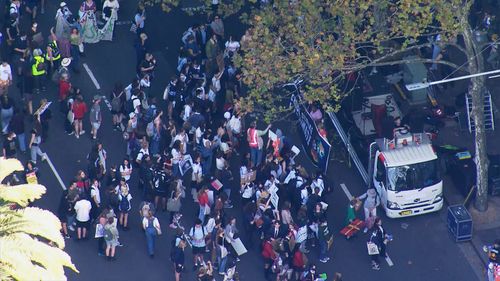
column 36, row 140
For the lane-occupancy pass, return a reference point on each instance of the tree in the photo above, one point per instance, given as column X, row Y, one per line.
column 323, row 41
column 31, row 243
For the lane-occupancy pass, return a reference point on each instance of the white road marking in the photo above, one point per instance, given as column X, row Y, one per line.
column 346, row 191
column 388, row 260
column 92, row 77
column 63, row 186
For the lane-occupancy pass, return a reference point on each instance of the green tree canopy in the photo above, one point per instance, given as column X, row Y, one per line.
column 324, row 40
column 31, row 245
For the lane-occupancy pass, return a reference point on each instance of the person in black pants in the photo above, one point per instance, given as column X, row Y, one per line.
column 380, row 238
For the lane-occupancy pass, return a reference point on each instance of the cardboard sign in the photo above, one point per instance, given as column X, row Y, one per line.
column 248, row 177
column 275, row 199
column 42, row 108
column 301, row 234
column 185, row 164
column 31, row 178
column 216, row 184
column 273, row 189
column 238, row 246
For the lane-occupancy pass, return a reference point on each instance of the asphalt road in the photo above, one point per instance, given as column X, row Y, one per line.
column 421, row 250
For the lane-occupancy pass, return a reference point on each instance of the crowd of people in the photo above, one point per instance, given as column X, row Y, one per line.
column 194, row 142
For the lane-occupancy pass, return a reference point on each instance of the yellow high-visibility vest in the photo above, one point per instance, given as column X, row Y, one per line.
column 34, row 67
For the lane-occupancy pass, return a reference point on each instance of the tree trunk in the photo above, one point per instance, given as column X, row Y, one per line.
column 476, row 90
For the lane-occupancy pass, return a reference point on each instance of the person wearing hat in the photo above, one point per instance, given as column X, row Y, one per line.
column 95, row 116
column 62, row 71
column 372, row 201
column 38, row 70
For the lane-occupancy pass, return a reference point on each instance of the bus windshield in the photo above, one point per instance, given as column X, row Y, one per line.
column 415, row 176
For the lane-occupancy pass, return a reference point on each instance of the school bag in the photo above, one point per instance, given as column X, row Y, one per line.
column 124, row 203
column 116, row 104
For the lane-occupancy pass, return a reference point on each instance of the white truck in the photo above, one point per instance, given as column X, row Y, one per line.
column 405, row 173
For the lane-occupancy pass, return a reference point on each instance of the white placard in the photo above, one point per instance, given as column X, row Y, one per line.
column 273, row 189
column 295, row 150
column 275, row 199
column 185, row 164
column 42, row 108
column 238, row 246
column 301, row 234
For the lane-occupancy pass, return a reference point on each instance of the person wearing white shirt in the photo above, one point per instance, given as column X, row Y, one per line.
column 184, row 140
column 126, row 170
column 114, row 6
column 5, row 77
column 188, row 109
column 318, row 182
column 176, row 158
column 198, row 233
column 143, row 152
column 232, row 46
column 151, row 227
column 82, row 209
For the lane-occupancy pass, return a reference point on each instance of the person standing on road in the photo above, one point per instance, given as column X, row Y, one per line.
column 126, row 170
column 380, row 238
column 79, row 108
column 124, row 205
column 151, row 227
column 38, row 70
column 36, row 140
column 99, row 235
column 254, row 138
column 5, row 77
column 82, row 208
column 324, row 236
column 95, row 195
column 370, row 206
column 6, row 112
column 178, row 258
column 95, row 116
column 9, row 146
column 198, row 234
column 118, row 98
column 111, row 238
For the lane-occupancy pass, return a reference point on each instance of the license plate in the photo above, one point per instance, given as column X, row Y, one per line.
column 405, row 213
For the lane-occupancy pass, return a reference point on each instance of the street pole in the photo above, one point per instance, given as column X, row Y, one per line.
column 423, row 85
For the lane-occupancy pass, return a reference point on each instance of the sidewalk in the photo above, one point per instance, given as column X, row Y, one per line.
column 486, row 226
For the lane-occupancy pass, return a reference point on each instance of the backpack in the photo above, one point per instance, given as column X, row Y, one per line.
column 116, row 103
column 191, row 232
column 108, row 235
column 124, row 203
column 129, row 106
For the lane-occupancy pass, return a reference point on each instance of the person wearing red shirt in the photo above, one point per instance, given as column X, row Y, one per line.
column 203, row 201
column 269, row 256
column 79, row 108
column 298, row 262
column 64, row 88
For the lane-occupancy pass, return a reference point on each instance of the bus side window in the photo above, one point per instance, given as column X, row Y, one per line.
column 381, row 173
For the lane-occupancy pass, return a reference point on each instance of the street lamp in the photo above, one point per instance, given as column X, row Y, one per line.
column 425, row 84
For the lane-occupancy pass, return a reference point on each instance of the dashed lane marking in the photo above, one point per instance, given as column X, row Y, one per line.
column 346, row 191
column 91, row 75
